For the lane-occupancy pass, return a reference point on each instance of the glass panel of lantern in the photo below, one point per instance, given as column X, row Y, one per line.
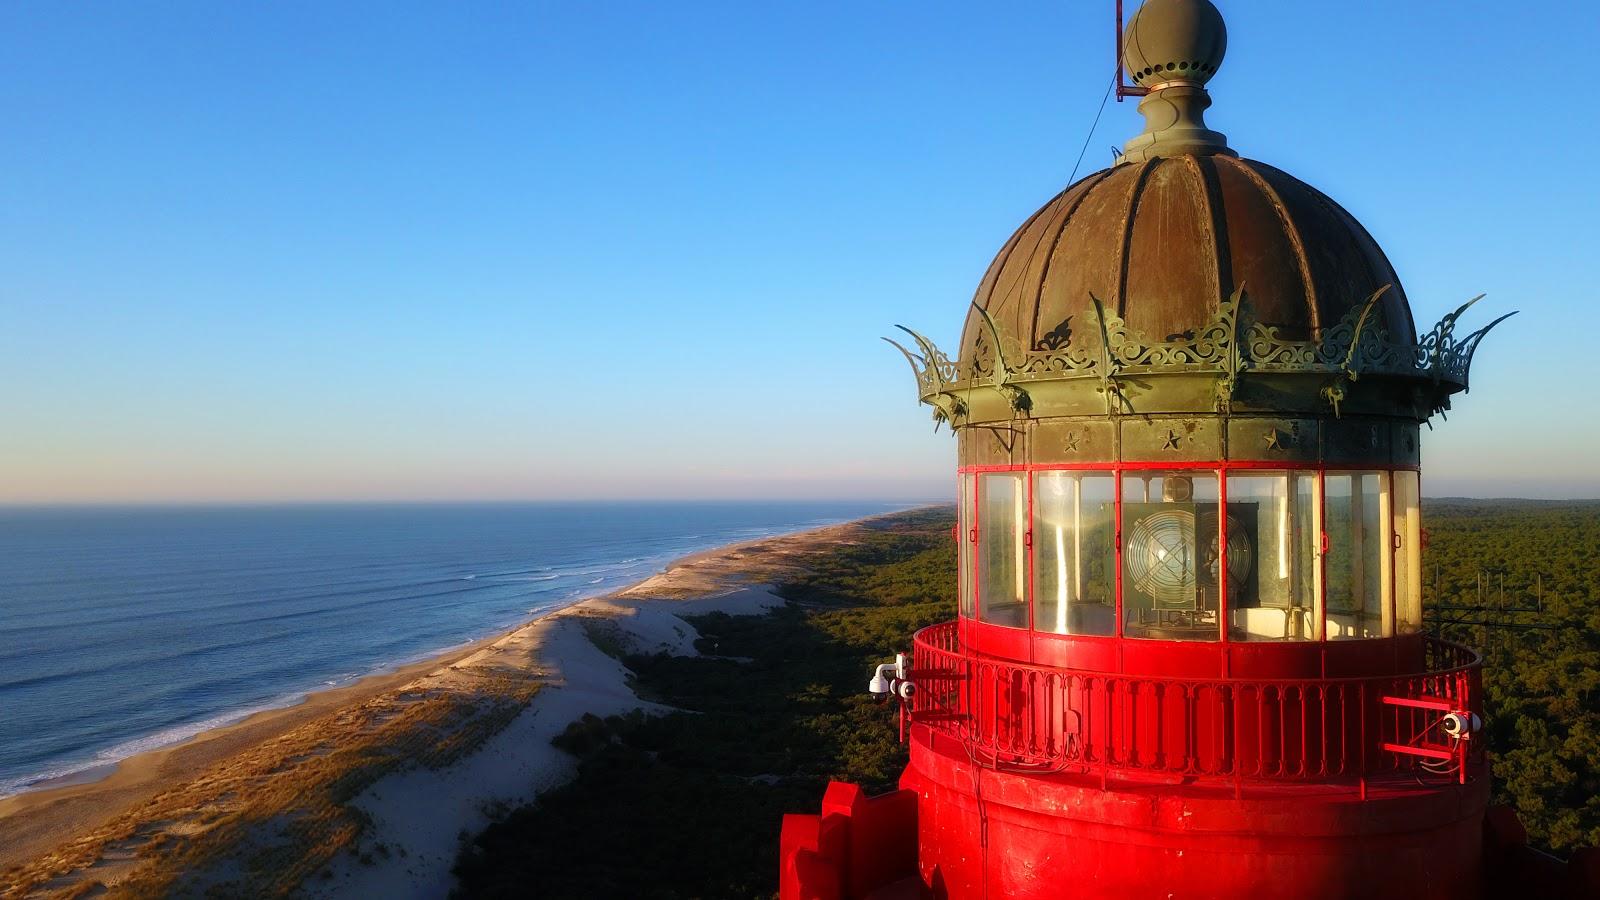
column 1074, row 553
column 1272, row 560
column 1407, row 553
column 1356, row 519
column 966, row 539
column 1170, row 555
column 1002, row 568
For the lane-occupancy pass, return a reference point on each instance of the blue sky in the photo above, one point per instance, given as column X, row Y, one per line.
column 299, row 251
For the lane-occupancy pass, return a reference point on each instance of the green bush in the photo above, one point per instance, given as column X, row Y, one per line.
column 689, row 804
column 1542, row 685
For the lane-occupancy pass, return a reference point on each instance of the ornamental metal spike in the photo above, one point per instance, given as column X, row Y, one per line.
column 1349, row 368
column 1108, row 358
column 1109, row 364
column 1442, row 335
column 1229, row 313
column 1469, row 348
column 946, row 407
column 1001, row 368
column 1020, row 401
column 1232, row 313
column 930, row 355
column 911, row 358
column 917, row 370
column 1448, row 323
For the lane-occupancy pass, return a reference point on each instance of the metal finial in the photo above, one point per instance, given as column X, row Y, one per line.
column 1172, row 48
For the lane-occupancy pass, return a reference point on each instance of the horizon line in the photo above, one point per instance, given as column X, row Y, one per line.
column 232, row 503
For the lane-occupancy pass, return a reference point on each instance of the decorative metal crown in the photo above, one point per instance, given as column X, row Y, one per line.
column 1230, row 346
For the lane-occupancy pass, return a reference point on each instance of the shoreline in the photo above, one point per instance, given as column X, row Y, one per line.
column 375, row 680
column 96, row 772
column 40, row 820
column 138, row 776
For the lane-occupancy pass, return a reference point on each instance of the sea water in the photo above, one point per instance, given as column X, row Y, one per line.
column 125, row 629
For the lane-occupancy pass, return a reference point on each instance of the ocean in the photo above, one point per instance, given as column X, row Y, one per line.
column 126, row 629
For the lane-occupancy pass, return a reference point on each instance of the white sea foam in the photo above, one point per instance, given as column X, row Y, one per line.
column 72, row 771
column 515, row 578
column 102, row 762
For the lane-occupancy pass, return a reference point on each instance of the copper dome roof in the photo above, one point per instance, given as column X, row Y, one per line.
column 1188, row 289
column 1163, row 242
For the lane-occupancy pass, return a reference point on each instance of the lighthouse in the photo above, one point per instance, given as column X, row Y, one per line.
column 1188, row 658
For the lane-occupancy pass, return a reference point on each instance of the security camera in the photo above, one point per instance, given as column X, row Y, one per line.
column 880, row 683
column 889, row 678
column 1461, row 725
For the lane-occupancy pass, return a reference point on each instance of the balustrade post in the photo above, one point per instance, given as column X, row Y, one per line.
column 1362, row 718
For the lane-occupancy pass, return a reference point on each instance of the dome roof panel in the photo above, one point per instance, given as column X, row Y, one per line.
column 1172, row 252
column 1068, row 277
column 1346, row 266
column 1017, row 289
column 1258, row 249
column 1162, row 242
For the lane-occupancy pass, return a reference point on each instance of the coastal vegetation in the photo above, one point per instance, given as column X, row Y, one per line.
column 688, row 804
column 1526, row 576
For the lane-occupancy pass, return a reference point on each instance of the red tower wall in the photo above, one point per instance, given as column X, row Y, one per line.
column 1022, row 834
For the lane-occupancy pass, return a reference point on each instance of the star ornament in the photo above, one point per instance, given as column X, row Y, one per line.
column 1173, row 440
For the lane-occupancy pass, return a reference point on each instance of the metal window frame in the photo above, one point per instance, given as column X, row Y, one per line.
column 1221, row 470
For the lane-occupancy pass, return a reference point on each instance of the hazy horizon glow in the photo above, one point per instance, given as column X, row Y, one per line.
column 375, row 252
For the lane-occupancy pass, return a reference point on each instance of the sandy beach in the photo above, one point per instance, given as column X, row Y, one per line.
column 369, row 789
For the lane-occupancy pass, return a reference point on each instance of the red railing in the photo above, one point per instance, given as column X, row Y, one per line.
column 1326, row 729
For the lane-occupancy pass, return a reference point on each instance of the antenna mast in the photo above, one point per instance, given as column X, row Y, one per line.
column 1124, row 89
